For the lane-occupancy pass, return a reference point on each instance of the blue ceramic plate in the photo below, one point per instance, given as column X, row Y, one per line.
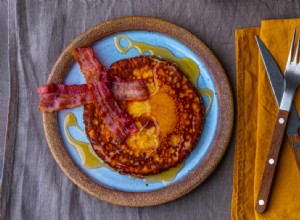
column 130, row 44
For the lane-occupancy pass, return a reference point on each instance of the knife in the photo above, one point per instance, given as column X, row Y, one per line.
column 277, row 82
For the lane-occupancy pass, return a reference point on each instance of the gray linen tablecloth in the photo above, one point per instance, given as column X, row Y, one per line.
column 33, row 185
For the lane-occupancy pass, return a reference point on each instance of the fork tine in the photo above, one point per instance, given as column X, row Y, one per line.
column 291, row 49
column 297, row 51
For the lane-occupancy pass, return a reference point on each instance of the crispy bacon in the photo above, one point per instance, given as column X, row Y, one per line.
column 58, row 101
column 89, row 65
column 129, row 90
column 63, row 89
column 55, row 97
column 118, row 121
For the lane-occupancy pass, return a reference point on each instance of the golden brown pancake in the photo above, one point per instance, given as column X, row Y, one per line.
column 169, row 123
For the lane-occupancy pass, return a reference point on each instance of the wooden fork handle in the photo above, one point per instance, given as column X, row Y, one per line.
column 271, row 163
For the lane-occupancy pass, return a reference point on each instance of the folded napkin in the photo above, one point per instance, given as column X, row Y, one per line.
column 256, row 116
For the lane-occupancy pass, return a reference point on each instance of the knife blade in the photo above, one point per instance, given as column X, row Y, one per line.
column 277, row 84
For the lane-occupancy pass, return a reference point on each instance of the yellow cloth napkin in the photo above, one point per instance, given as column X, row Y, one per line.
column 256, row 115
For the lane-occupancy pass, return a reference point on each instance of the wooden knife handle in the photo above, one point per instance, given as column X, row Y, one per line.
column 295, row 142
column 271, row 163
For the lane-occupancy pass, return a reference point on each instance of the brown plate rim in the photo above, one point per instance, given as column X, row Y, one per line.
column 212, row 157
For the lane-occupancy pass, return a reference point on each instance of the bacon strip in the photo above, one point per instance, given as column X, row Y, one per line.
column 63, row 89
column 55, row 102
column 129, row 90
column 91, row 68
column 55, row 97
column 118, row 121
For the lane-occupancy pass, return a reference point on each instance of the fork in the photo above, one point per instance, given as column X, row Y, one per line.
column 291, row 83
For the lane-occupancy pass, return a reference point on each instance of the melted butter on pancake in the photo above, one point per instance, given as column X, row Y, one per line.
column 163, row 109
column 161, row 106
column 145, row 139
column 138, row 108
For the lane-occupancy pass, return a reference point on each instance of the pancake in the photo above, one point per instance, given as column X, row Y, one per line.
column 169, row 123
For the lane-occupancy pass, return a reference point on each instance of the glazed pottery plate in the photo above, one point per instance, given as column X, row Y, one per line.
column 124, row 38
